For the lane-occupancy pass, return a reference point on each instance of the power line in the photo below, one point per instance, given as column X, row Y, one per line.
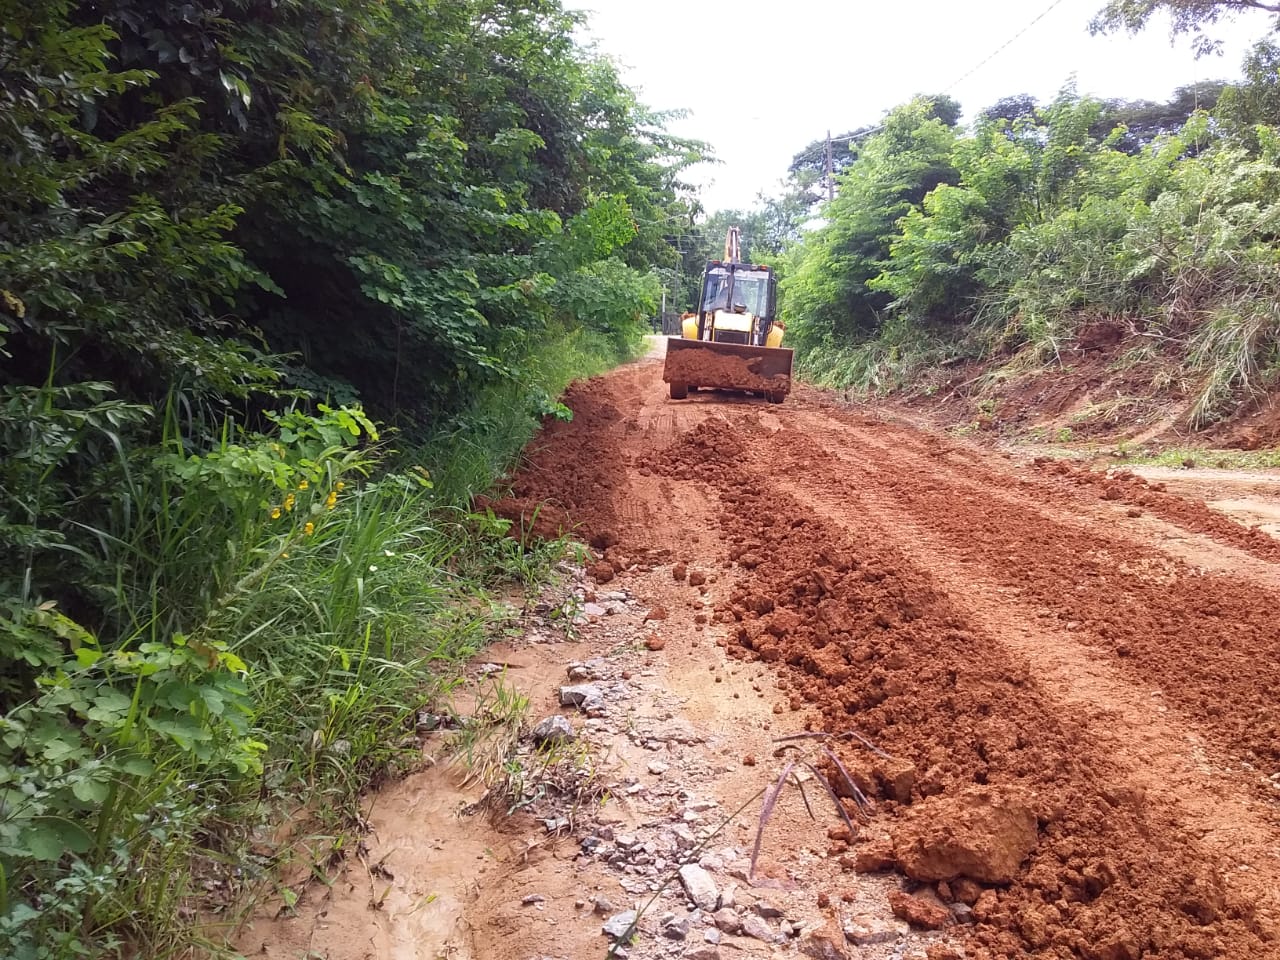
column 1004, row 46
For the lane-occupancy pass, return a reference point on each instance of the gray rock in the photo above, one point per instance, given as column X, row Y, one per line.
column 575, row 695
column 962, row 912
column 867, row 929
column 700, row 887
column 594, row 610
column 767, row 910
column 617, row 926
column 533, row 898
column 711, row 936
column 676, row 929
column 683, row 836
column 758, row 928
column 555, row 729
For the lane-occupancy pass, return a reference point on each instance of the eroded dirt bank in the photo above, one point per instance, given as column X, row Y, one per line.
column 1100, row 658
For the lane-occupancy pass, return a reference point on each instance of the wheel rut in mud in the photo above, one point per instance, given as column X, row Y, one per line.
column 1015, row 648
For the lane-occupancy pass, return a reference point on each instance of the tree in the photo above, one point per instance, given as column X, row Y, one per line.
column 808, row 167
column 1186, row 17
column 1146, row 120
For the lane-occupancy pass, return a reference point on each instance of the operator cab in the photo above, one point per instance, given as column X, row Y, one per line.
column 738, row 303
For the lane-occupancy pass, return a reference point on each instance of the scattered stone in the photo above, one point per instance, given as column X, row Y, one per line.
column 749, row 760
column 824, row 943
column 962, row 912
column 685, row 838
column 601, row 906
column 577, row 694
column 758, row 928
column 657, row 767
column 618, row 926
column 594, row 610
column 427, row 721
column 702, row 953
column 700, row 887
column 768, row 910
column 533, row 898
column 656, row 613
column 676, row 929
column 584, row 671
column 727, row 920
column 654, row 642
column 943, row 951
column 983, row 833
column 556, row 824
column 918, row 912
column 601, row 572
column 679, row 571
column 711, row 936
column 697, row 578
column 865, row 930
column 555, row 729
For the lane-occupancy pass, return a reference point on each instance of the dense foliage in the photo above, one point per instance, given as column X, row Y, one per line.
column 233, row 238
column 1043, row 217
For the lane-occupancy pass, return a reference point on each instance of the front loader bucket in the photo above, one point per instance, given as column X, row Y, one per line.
column 727, row 366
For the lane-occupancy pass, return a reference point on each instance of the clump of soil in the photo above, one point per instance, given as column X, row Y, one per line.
column 701, row 367
column 980, row 833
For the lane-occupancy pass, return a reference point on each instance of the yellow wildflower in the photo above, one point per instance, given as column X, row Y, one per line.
column 275, row 513
column 309, row 529
column 331, row 500
column 341, row 486
column 289, row 502
column 303, row 485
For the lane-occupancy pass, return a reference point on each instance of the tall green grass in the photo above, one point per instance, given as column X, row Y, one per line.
column 208, row 634
column 471, row 452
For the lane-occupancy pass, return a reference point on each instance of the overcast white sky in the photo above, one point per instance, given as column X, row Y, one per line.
column 809, row 65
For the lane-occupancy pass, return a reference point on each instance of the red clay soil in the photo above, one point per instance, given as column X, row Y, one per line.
column 697, row 367
column 1051, row 686
column 1129, row 488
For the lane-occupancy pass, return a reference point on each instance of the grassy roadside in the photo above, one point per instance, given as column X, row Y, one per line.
column 269, row 615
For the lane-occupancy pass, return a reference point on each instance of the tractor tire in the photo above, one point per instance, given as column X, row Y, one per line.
column 679, row 391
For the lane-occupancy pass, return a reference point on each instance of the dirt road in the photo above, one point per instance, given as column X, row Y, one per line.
column 1101, row 653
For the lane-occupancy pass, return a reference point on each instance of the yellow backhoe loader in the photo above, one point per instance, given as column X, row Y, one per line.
column 734, row 341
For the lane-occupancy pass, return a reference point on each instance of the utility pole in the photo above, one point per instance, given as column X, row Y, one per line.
column 831, row 183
